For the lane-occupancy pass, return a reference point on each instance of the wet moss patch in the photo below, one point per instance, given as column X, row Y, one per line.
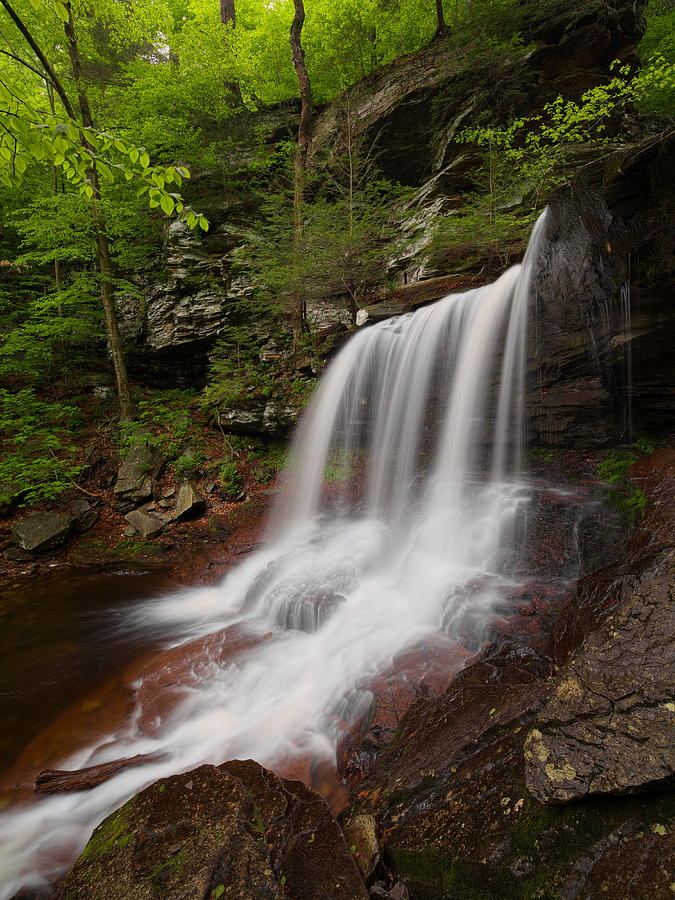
column 111, row 835
column 434, row 875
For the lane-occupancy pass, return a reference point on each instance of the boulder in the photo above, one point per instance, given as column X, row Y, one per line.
column 457, row 820
column 86, row 516
column 189, row 502
column 134, row 477
column 504, row 785
column 147, row 524
column 43, row 531
column 235, row 830
column 609, row 726
column 361, row 835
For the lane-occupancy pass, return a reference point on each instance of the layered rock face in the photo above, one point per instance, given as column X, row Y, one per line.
column 604, row 320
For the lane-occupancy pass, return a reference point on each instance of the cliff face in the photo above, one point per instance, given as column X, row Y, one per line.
column 604, row 322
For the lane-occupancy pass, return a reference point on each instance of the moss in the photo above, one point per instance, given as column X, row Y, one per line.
column 555, row 836
column 112, row 835
column 435, row 875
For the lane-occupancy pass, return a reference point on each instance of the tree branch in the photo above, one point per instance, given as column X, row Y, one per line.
column 27, row 65
column 30, row 40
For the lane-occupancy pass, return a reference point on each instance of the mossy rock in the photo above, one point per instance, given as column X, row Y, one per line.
column 235, row 830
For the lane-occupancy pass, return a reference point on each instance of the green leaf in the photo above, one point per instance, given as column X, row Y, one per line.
column 145, row 160
column 167, row 204
column 61, row 11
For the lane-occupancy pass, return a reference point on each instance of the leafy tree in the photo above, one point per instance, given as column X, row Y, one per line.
column 38, row 457
column 300, row 162
column 535, row 149
column 70, row 142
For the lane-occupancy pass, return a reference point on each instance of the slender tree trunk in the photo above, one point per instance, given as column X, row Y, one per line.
column 299, row 311
column 349, row 147
column 228, row 17
column 55, row 190
column 440, row 19
column 103, row 257
column 227, row 12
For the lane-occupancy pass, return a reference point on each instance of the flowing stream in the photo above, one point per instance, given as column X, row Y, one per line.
column 395, row 521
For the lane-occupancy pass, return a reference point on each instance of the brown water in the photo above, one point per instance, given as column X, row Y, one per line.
column 60, row 635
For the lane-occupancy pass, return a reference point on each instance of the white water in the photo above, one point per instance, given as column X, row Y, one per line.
column 424, row 415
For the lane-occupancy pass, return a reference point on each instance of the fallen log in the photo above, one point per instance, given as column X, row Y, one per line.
column 61, row 781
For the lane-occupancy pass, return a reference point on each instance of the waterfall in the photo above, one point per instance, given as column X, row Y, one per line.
column 395, row 521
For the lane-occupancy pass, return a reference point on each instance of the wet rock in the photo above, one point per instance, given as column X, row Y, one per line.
column 609, row 726
column 43, row 531
column 457, row 819
column 160, row 688
column 134, row 477
column 189, row 503
column 373, row 712
column 587, row 329
column 397, row 892
column 86, row 516
column 145, row 523
column 599, row 594
column 458, row 793
column 10, row 497
column 361, row 836
column 235, row 830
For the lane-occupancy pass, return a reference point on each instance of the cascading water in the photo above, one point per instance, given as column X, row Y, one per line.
column 395, row 522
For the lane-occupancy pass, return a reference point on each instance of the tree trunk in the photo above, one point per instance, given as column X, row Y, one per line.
column 227, row 12
column 299, row 312
column 440, row 19
column 228, row 17
column 60, row 781
column 103, row 258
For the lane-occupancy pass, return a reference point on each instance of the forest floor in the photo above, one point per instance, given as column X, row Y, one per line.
column 195, row 550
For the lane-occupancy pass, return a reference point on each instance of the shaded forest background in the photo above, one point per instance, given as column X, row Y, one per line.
column 120, row 118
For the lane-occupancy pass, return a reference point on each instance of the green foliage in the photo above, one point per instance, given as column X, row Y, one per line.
column 659, row 43
column 542, row 454
column 267, row 462
column 533, row 151
column 614, row 467
column 188, row 464
column 647, row 444
column 38, row 458
column 35, row 131
column 164, row 420
column 350, row 216
column 478, row 230
column 239, row 373
column 629, row 501
column 231, row 479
